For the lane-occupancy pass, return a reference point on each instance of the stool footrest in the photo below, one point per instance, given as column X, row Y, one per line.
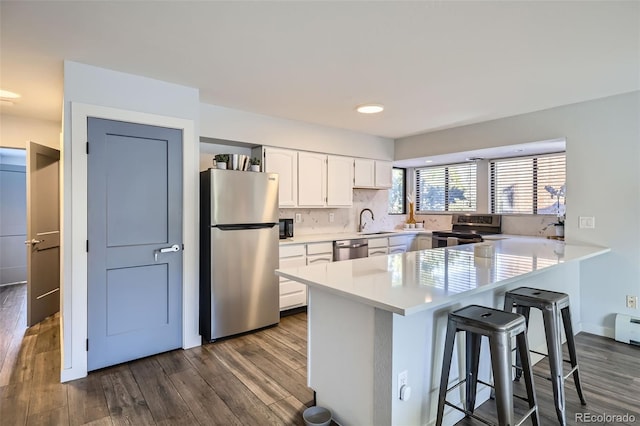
column 470, row 414
column 566, row 376
column 487, row 422
column 456, row 385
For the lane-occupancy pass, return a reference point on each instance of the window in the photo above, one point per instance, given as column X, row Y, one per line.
column 446, row 188
column 398, row 191
column 529, row 185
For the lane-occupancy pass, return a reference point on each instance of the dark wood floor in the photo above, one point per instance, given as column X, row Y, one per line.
column 257, row 379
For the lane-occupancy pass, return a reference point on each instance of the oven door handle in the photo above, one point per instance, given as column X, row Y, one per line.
column 469, row 240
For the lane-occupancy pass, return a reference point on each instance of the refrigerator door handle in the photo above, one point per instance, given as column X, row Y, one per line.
column 245, row 226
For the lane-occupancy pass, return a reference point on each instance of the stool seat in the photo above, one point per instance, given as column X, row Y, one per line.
column 555, row 309
column 500, row 327
column 537, row 297
column 487, row 320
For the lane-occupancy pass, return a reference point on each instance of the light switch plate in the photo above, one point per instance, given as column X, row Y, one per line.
column 298, row 217
column 332, row 217
column 587, row 222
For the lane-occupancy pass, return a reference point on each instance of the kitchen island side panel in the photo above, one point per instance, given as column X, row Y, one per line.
column 341, row 356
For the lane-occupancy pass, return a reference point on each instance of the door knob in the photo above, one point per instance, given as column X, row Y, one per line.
column 171, row 249
column 33, row 242
column 174, row 247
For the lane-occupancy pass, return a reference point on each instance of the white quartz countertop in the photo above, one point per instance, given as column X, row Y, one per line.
column 410, row 282
column 319, row 238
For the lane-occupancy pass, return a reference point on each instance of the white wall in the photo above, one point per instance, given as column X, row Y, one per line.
column 603, row 180
column 16, row 131
column 224, row 123
column 93, row 91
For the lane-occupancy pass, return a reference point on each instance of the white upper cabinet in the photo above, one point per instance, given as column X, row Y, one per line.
column 312, row 179
column 372, row 173
column 364, row 173
column 285, row 163
column 339, row 181
column 383, row 174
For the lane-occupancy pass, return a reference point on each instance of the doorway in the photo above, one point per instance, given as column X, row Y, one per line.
column 13, row 216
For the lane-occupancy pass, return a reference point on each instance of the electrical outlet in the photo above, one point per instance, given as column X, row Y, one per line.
column 632, row 302
column 332, row 217
column 403, row 379
column 587, row 222
column 298, row 217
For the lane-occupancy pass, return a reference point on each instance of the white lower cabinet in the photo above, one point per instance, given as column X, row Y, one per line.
column 319, row 253
column 378, row 246
column 292, row 293
column 421, row 242
column 400, row 243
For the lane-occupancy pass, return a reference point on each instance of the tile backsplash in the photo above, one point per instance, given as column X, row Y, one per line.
column 316, row 221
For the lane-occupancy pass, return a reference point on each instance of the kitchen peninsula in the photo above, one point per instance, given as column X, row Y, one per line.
column 372, row 319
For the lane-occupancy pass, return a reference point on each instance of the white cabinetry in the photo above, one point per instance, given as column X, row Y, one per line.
column 319, row 253
column 422, row 242
column 372, row 173
column 400, row 243
column 378, row 246
column 312, row 179
column 339, row 181
column 324, row 180
column 364, row 173
column 285, row 163
column 383, row 174
column 292, row 293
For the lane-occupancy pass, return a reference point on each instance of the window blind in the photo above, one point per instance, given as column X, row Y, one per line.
column 528, row 185
column 446, row 188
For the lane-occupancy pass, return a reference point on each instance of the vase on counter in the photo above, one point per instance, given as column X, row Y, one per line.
column 411, row 219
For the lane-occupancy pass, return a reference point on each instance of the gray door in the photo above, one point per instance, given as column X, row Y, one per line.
column 135, row 241
column 43, row 232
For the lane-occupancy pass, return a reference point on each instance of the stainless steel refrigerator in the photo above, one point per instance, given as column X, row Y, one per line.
column 239, row 237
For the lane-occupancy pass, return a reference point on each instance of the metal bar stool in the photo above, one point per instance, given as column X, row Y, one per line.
column 553, row 305
column 500, row 327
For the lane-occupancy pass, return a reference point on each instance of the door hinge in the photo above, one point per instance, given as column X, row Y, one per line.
column 87, row 345
column 87, row 246
column 87, row 147
column 183, row 247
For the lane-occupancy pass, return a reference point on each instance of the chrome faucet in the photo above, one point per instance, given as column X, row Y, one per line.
column 360, row 225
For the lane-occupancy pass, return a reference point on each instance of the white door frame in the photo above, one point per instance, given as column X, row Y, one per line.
column 74, row 233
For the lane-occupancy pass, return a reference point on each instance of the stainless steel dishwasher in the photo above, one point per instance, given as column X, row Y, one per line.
column 350, row 249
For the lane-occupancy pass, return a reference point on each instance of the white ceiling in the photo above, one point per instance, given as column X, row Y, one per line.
column 433, row 65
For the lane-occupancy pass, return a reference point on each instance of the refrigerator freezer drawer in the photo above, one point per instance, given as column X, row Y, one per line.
column 244, row 288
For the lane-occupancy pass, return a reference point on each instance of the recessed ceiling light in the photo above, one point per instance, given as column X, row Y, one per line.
column 370, row 108
column 428, row 161
column 5, row 94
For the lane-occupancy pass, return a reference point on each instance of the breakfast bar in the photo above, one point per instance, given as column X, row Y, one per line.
column 376, row 321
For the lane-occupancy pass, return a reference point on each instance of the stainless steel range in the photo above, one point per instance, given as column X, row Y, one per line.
column 467, row 229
